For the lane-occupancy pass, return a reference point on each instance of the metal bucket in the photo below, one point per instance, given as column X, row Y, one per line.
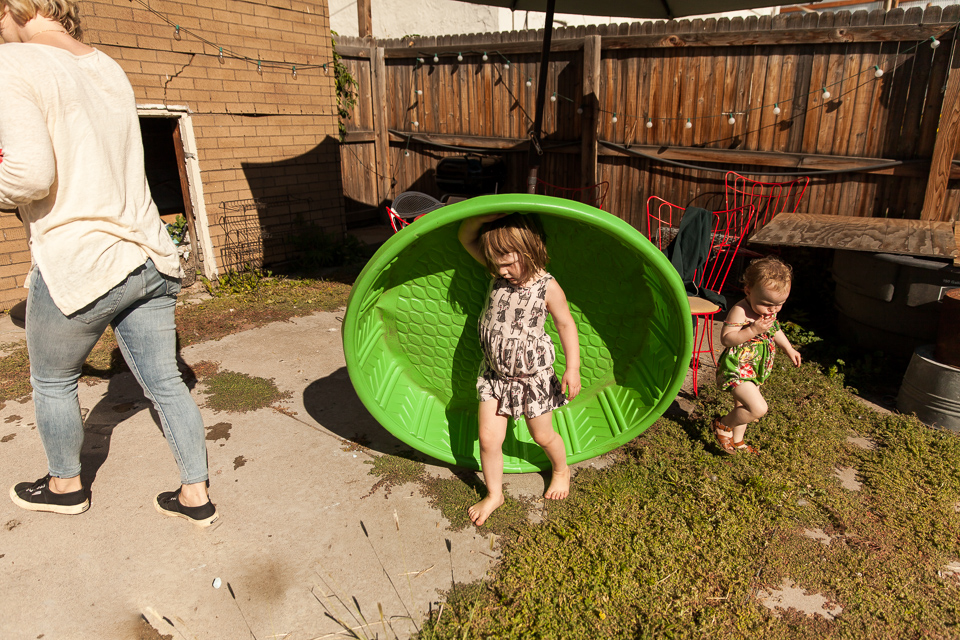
column 931, row 390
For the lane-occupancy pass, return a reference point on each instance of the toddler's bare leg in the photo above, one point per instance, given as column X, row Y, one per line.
column 493, row 429
column 750, row 407
column 541, row 428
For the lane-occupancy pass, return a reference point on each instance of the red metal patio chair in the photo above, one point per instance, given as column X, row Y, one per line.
column 594, row 195
column 727, row 233
column 768, row 198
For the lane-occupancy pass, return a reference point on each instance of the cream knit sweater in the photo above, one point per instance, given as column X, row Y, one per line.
column 73, row 164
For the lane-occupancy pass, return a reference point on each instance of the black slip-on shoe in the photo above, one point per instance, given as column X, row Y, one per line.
column 168, row 503
column 37, row 496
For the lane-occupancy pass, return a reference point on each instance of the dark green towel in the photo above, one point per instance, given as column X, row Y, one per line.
column 690, row 249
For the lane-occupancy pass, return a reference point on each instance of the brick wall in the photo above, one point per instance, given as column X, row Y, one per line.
column 266, row 135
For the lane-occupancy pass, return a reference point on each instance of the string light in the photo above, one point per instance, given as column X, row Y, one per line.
column 176, row 32
column 826, row 94
column 934, row 43
column 259, row 68
column 436, row 58
column 485, row 58
column 459, row 57
column 688, row 125
column 324, row 67
column 879, row 72
column 416, row 123
column 220, row 57
column 649, row 123
column 580, row 109
column 419, row 92
column 553, row 98
column 529, row 82
column 614, row 118
column 406, row 153
column 294, row 71
column 506, row 65
column 732, row 120
column 776, row 109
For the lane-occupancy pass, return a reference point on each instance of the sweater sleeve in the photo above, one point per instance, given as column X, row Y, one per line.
column 28, row 169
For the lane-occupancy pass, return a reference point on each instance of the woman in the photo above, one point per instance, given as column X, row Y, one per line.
column 73, row 165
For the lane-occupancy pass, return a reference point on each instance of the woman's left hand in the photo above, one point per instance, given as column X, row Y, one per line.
column 570, row 383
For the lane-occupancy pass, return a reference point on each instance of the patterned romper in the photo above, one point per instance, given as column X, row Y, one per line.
column 750, row 361
column 517, row 368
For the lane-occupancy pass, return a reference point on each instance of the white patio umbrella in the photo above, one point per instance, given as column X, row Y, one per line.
column 649, row 9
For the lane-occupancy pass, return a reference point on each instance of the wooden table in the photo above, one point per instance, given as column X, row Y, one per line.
column 882, row 235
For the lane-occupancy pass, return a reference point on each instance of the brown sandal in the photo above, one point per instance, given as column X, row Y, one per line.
column 726, row 442
column 743, row 447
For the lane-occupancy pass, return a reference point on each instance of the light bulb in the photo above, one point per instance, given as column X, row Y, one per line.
column 406, row 153
column 259, row 68
column 879, row 72
column 776, row 109
column 220, row 57
column 176, row 32
column 529, row 82
column 324, row 68
column 614, row 118
column 553, row 98
column 485, row 58
column 934, row 43
column 579, row 109
column 294, row 71
column 419, row 92
column 506, row 66
column 826, row 94
column 688, row 125
column 732, row 120
column 420, row 60
column 436, row 58
column 416, row 123
column 649, row 124
column 459, row 57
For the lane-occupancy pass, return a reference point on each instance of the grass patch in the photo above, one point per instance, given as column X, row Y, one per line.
column 239, row 392
column 676, row 540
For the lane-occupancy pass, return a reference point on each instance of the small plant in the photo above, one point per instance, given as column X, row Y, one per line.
column 246, row 280
column 346, row 86
column 178, row 230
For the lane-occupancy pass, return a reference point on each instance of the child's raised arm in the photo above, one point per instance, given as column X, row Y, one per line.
column 469, row 234
column 560, row 311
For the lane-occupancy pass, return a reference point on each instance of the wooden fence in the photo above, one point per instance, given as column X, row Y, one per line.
column 863, row 102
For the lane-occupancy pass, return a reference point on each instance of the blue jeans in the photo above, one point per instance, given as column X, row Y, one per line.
column 140, row 310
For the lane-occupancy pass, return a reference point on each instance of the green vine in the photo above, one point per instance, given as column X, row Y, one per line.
column 346, row 85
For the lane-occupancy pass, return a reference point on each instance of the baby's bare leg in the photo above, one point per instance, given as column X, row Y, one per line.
column 750, row 407
column 493, row 429
column 541, row 428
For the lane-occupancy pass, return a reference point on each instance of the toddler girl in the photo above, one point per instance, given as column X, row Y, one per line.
column 517, row 377
column 751, row 335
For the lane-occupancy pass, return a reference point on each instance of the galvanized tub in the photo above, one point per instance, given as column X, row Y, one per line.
column 931, row 390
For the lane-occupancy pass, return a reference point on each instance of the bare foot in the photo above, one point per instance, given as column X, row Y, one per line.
column 559, row 486
column 482, row 510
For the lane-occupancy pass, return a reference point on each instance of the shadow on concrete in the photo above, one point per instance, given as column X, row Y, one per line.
column 124, row 398
column 333, row 403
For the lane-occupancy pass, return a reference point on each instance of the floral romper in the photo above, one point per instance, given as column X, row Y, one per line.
column 750, row 361
column 517, row 367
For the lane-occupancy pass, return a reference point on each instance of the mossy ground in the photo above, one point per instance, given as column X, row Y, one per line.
column 239, row 392
column 675, row 539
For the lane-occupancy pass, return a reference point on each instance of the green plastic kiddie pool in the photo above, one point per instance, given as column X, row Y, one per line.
column 413, row 355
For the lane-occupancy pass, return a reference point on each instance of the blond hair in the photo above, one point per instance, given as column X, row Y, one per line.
column 515, row 233
column 66, row 12
column 770, row 272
